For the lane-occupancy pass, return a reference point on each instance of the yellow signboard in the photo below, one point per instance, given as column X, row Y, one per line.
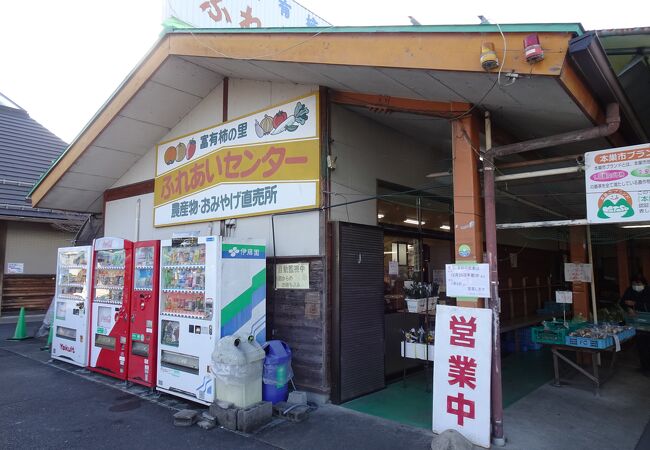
column 259, row 164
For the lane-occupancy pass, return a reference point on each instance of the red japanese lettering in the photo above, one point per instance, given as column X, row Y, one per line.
column 461, row 407
column 232, row 164
column 462, row 371
column 249, row 20
column 213, row 10
column 462, row 331
column 276, row 163
column 167, row 187
column 249, row 155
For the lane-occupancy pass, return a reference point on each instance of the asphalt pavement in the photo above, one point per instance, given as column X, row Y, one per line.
column 47, row 404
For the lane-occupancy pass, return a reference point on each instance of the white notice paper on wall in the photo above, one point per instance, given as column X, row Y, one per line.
column 563, row 297
column 468, row 280
column 462, row 372
column 14, row 267
column 577, row 272
column 393, row 268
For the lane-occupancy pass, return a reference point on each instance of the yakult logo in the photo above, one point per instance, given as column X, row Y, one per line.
column 66, row 348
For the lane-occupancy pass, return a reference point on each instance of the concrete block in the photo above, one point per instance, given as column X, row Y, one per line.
column 207, row 417
column 206, row 424
column 226, row 417
column 251, row 418
column 298, row 397
column 292, row 411
column 185, row 418
column 224, row 404
column 451, row 440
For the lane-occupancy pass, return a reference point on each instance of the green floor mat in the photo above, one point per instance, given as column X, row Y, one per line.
column 411, row 405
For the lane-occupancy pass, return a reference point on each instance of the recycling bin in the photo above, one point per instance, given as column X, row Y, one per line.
column 237, row 369
column 277, row 372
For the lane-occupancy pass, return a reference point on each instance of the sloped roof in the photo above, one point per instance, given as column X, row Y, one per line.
column 27, row 149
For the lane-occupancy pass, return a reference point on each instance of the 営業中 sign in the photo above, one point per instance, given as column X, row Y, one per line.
column 292, row 276
column 462, row 371
column 618, row 184
column 467, row 280
column 577, row 272
column 259, row 164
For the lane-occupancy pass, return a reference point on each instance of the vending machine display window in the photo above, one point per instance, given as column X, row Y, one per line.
column 183, row 282
column 66, row 333
column 140, row 349
column 179, row 361
column 170, row 332
column 107, row 342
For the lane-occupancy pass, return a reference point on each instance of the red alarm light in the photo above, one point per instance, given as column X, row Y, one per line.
column 532, row 49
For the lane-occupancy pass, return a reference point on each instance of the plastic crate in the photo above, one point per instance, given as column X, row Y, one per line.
column 626, row 334
column 584, row 342
column 558, row 336
column 640, row 321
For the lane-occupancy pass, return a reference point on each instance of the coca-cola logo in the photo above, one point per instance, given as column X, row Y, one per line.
column 66, row 348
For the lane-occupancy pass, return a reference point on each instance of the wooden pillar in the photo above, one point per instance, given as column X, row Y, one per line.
column 623, row 266
column 578, row 254
column 468, row 216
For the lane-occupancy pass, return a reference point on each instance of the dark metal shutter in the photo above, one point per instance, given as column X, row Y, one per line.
column 361, row 309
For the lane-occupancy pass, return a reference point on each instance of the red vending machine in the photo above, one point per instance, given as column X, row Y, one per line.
column 109, row 319
column 142, row 356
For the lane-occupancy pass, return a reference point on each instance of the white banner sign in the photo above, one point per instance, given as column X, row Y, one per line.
column 462, row 371
column 237, row 200
column 292, row 276
column 618, row 184
column 577, row 272
column 563, row 297
column 240, row 14
column 468, row 280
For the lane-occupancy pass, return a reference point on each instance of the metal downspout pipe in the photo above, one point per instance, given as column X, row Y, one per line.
column 612, row 122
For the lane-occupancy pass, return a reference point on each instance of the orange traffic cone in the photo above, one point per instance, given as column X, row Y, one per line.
column 21, row 327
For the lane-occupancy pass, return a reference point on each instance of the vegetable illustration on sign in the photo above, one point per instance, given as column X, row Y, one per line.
column 180, row 152
column 282, row 122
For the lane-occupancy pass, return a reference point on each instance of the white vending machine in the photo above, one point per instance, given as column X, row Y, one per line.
column 71, row 305
column 209, row 287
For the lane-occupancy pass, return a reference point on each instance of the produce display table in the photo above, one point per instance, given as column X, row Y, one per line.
column 594, row 375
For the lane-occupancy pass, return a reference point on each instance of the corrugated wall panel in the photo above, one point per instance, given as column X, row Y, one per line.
column 361, row 310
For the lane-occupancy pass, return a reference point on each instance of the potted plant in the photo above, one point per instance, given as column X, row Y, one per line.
column 419, row 296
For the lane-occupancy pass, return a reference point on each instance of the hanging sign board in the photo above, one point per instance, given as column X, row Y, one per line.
column 563, row 297
column 262, row 163
column 577, row 272
column 239, row 14
column 467, row 280
column 292, row 276
column 462, row 371
column 618, row 184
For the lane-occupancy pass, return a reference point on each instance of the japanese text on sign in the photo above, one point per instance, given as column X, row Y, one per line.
column 292, row 276
column 235, row 169
column 467, row 280
column 241, row 14
column 462, row 368
column 618, row 184
column 577, row 272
